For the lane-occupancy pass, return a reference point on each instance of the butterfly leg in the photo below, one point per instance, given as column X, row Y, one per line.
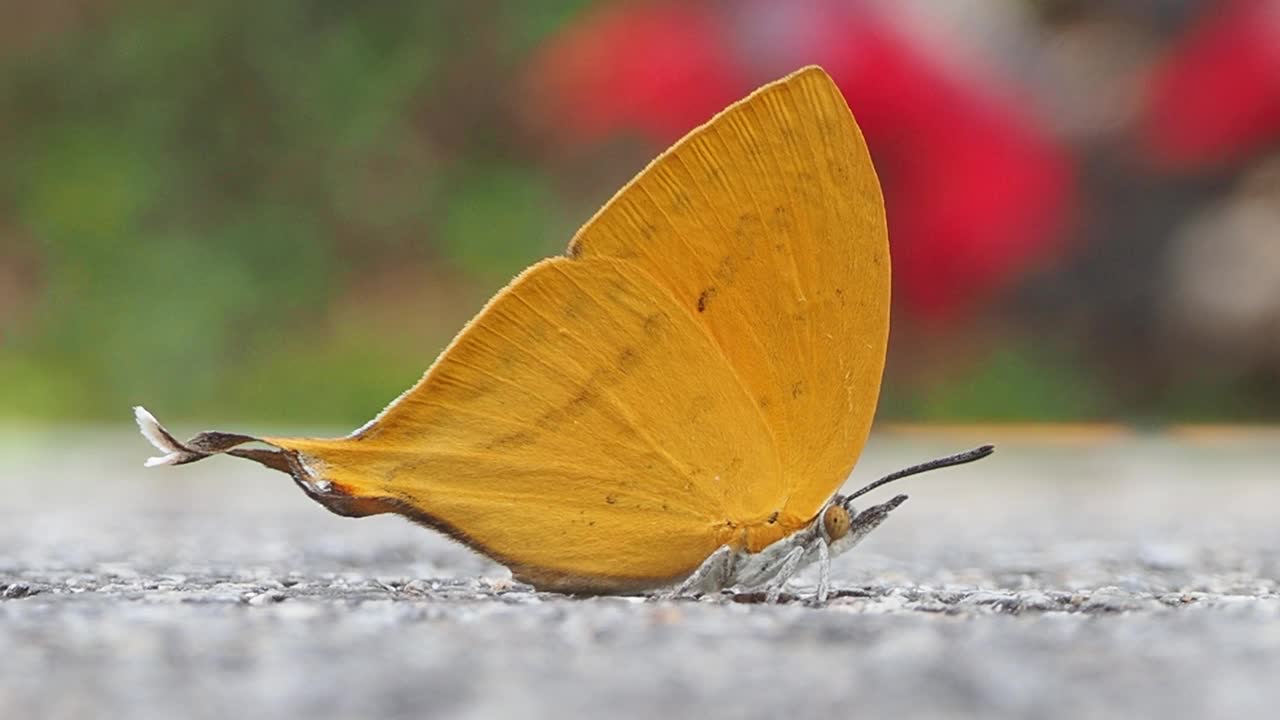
column 712, row 575
column 781, row 573
column 824, row 571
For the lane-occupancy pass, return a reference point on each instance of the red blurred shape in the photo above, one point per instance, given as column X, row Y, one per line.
column 659, row 69
column 977, row 193
column 1214, row 98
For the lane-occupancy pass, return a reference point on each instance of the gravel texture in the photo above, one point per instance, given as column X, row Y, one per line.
column 1066, row 577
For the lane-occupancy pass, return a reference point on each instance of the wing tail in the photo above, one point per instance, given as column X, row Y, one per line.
column 203, row 445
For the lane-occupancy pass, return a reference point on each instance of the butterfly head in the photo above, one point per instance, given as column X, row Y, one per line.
column 840, row 519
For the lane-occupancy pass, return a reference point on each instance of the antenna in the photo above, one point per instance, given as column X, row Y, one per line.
column 967, row 456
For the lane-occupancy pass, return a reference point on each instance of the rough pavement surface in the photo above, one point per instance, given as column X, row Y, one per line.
column 1062, row 578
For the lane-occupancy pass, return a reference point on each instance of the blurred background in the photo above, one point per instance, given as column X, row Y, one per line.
column 281, row 212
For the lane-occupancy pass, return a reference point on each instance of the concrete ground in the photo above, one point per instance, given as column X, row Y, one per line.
column 1069, row 576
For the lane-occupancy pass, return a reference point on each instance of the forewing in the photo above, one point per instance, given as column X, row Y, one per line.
column 767, row 224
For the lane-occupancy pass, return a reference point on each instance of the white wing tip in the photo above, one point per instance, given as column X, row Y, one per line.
column 170, row 459
column 158, row 437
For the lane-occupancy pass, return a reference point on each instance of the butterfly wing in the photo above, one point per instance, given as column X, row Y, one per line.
column 583, row 429
column 700, row 370
column 768, row 223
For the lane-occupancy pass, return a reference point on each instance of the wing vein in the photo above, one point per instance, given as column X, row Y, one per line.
column 619, row 409
column 733, row 370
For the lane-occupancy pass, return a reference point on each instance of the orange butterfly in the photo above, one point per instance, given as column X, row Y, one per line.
column 676, row 400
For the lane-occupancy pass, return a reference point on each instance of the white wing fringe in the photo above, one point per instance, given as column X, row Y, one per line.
column 155, row 433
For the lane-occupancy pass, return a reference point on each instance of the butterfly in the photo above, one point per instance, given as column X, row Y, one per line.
column 670, row 405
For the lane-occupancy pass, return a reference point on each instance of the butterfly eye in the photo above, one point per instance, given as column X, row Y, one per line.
column 836, row 521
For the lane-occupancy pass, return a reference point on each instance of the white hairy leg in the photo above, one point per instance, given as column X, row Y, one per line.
column 824, row 571
column 783, row 573
column 835, row 530
column 815, row 548
column 755, row 569
column 774, row 565
column 711, row 576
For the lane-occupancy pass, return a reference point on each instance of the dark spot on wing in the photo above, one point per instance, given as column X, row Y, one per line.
column 652, row 323
column 612, row 500
column 747, row 226
column 627, row 359
column 733, row 467
column 584, row 396
column 797, row 389
column 725, row 270
column 704, row 298
column 782, row 218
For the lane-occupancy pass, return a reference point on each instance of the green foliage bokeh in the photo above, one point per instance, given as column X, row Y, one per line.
column 281, row 212
column 191, row 188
